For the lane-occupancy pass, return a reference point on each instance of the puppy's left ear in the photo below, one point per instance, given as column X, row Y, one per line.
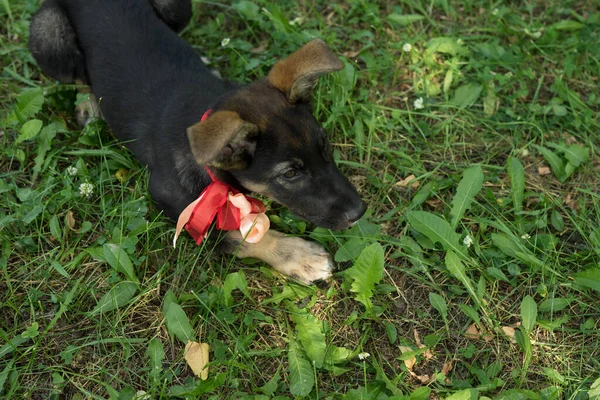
column 224, row 141
column 297, row 74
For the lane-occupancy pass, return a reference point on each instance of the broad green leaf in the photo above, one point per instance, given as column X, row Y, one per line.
column 391, row 331
column 554, row 375
column 469, row 186
column 568, row 25
column 528, row 313
column 29, row 130
column 594, row 392
column 156, row 353
column 497, row 273
column 311, row 336
column 178, row 323
column 457, row 269
column 439, row 304
column 466, row 94
column 557, row 220
column 516, row 173
column 557, row 165
column 422, row 195
column 234, row 280
column 554, row 304
column 515, row 249
column 470, row 312
column 404, row 19
column 575, row 154
column 116, row 297
column 270, row 387
column 12, row 344
column 589, row 278
column 466, row 394
column 247, row 9
column 118, row 259
column 4, row 374
column 490, row 101
column 366, row 272
column 446, row 45
column 436, row 229
column 336, row 355
column 301, row 375
column 55, row 230
column 30, row 102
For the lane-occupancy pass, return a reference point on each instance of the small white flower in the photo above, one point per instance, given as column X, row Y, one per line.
column 363, row 356
column 459, row 42
column 406, row 48
column 468, row 241
column 525, row 236
column 72, row 171
column 419, row 103
column 86, row 189
column 297, row 21
column 524, row 152
column 495, row 11
column 225, row 42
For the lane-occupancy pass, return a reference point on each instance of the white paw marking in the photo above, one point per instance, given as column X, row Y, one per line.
column 304, row 260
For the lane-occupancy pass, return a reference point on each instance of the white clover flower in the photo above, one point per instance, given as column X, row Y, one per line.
column 363, row 356
column 72, row 171
column 297, row 21
column 86, row 189
column 525, row 236
column 225, row 42
column 459, row 41
column 419, row 103
column 468, row 241
column 524, row 152
column 406, row 48
column 495, row 11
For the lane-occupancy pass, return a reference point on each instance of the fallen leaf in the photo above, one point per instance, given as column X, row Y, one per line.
column 351, row 54
column 447, row 367
column 260, row 49
column 422, row 378
column 427, row 353
column 70, row 220
column 410, row 363
column 473, row 333
column 544, row 171
column 196, row 355
column 404, row 182
column 510, row 332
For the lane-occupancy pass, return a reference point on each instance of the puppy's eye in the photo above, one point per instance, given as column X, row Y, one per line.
column 290, row 173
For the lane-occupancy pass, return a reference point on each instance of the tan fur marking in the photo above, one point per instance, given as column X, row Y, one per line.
column 292, row 256
column 208, row 138
column 297, row 74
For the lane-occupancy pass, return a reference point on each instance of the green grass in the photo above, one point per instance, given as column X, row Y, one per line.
column 507, row 89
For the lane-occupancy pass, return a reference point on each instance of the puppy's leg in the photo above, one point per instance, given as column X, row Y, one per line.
column 87, row 110
column 175, row 13
column 292, row 256
column 53, row 44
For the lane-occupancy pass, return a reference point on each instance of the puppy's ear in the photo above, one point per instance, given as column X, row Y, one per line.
column 297, row 74
column 224, row 141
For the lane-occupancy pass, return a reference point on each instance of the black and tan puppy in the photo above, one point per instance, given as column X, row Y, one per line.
column 154, row 90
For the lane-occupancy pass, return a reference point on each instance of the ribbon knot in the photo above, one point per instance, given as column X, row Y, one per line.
column 229, row 208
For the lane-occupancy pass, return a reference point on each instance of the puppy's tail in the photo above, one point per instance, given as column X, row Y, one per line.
column 53, row 44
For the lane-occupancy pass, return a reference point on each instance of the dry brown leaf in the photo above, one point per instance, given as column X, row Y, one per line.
column 70, row 220
column 404, row 182
column 410, row 363
column 473, row 333
column 351, row 54
column 427, row 353
column 544, row 171
column 447, row 367
column 422, row 378
column 196, row 355
column 509, row 331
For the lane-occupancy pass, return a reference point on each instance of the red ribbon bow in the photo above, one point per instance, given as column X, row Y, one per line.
column 215, row 202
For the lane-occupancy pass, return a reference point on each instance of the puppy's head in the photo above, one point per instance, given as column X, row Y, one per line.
column 266, row 137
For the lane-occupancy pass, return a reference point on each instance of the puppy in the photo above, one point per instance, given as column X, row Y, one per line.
column 154, row 90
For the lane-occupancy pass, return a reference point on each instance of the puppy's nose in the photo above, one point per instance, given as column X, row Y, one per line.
column 357, row 212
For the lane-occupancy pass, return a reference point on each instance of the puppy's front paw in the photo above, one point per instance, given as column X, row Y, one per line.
column 87, row 111
column 303, row 260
